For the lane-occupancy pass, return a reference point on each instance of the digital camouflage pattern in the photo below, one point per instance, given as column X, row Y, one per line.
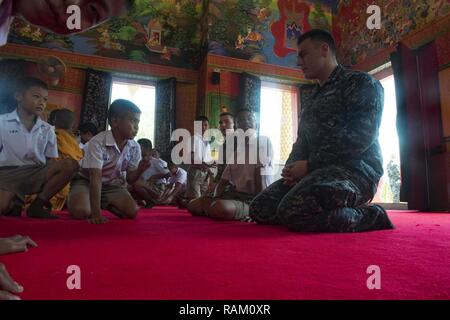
column 338, row 136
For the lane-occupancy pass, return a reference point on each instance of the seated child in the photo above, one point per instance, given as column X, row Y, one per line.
column 151, row 184
column 52, row 116
column 176, row 185
column 87, row 131
column 247, row 180
column 27, row 145
column 111, row 160
column 68, row 148
column 202, row 166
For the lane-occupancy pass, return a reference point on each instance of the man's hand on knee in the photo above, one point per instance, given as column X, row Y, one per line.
column 294, row 172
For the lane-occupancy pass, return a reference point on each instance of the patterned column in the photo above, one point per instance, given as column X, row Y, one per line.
column 286, row 134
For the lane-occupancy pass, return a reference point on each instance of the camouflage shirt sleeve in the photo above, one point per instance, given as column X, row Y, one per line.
column 300, row 147
column 363, row 99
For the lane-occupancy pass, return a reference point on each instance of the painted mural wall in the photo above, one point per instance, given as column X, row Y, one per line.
column 178, row 32
column 264, row 31
column 165, row 32
column 398, row 18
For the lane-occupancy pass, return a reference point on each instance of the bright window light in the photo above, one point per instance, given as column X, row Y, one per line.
column 144, row 97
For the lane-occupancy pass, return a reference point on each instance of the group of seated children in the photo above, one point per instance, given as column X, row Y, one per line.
column 42, row 167
column 241, row 178
column 161, row 183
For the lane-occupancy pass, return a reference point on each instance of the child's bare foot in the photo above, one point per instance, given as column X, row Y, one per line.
column 41, row 210
column 149, row 204
column 16, row 211
column 97, row 219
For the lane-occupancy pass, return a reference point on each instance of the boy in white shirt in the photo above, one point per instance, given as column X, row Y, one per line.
column 87, row 131
column 247, row 179
column 176, row 184
column 151, row 184
column 202, row 166
column 111, row 160
column 27, row 146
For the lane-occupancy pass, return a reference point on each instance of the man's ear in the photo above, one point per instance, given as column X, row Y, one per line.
column 325, row 49
column 18, row 96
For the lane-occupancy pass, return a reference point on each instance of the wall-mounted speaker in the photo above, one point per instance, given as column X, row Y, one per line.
column 215, row 79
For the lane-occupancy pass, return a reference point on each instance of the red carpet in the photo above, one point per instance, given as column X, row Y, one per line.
column 167, row 254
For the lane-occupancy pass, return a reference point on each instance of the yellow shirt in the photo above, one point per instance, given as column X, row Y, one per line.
column 68, row 146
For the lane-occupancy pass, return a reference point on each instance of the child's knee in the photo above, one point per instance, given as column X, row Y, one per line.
column 70, row 166
column 131, row 213
column 129, row 209
column 5, row 206
column 80, row 213
column 138, row 185
column 73, row 165
column 220, row 211
column 195, row 207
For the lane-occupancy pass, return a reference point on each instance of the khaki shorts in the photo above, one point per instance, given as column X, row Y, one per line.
column 23, row 180
column 197, row 183
column 157, row 188
column 109, row 193
column 240, row 200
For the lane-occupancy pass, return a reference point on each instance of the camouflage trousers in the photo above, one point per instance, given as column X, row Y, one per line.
column 330, row 199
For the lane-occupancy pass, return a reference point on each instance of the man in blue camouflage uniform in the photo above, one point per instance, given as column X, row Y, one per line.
column 335, row 165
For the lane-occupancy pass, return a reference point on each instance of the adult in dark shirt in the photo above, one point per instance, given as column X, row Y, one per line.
column 335, row 165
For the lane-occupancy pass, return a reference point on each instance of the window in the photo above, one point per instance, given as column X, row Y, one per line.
column 278, row 120
column 389, row 186
column 144, row 97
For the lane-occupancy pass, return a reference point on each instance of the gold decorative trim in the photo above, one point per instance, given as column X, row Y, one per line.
column 100, row 63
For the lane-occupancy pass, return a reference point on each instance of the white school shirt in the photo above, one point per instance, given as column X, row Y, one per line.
column 157, row 166
column 242, row 176
column 201, row 149
column 20, row 147
column 180, row 177
column 103, row 153
column 5, row 20
column 83, row 145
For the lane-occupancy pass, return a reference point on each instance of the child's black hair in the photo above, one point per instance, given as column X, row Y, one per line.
column 243, row 110
column 29, row 82
column 226, row 114
column 52, row 116
column 121, row 108
column 146, row 144
column 202, row 118
column 170, row 164
column 64, row 119
column 88, row 127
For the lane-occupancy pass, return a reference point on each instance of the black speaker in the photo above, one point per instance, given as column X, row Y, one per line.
column 215, row 79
